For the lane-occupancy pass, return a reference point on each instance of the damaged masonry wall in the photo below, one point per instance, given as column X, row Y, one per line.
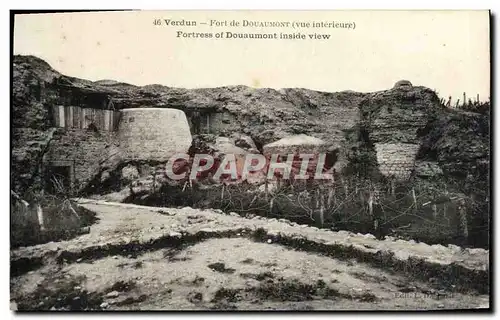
column 387, row 117
column 396, row 159
column 78, row 154
column 153, row 133
column 393, row 120
column 158, row 133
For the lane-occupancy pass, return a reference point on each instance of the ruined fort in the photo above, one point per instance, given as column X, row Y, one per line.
column 99, row 124
column 104, row 136
column 406, row 213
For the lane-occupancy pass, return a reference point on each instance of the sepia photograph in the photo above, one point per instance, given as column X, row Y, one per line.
column 250, row 161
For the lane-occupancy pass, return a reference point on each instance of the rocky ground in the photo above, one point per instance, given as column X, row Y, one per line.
column 148, row 258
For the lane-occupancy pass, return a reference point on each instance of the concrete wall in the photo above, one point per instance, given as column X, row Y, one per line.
column 153, row 133
column 212, row 122
column 142, row 134
column 396, row 160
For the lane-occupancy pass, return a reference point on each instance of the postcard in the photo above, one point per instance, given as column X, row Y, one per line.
column 250, row 160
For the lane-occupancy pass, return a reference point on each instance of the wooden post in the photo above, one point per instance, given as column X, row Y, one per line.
column 346, row 190
column 445, row 206
column 356, row 184
column 329, row 198
column 266, row 189
column 39, row 213
column 370, row 203
column 434, row 211
column 317, row 199
column 414, row 198
column 322, row 209
column 465, row 99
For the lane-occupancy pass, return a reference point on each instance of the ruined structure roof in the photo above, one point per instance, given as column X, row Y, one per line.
column 297, row 140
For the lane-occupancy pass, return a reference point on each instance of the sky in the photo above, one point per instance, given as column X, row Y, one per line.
column 444, row 50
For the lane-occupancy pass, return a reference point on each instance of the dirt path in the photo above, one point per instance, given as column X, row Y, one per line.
column 160, row 258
